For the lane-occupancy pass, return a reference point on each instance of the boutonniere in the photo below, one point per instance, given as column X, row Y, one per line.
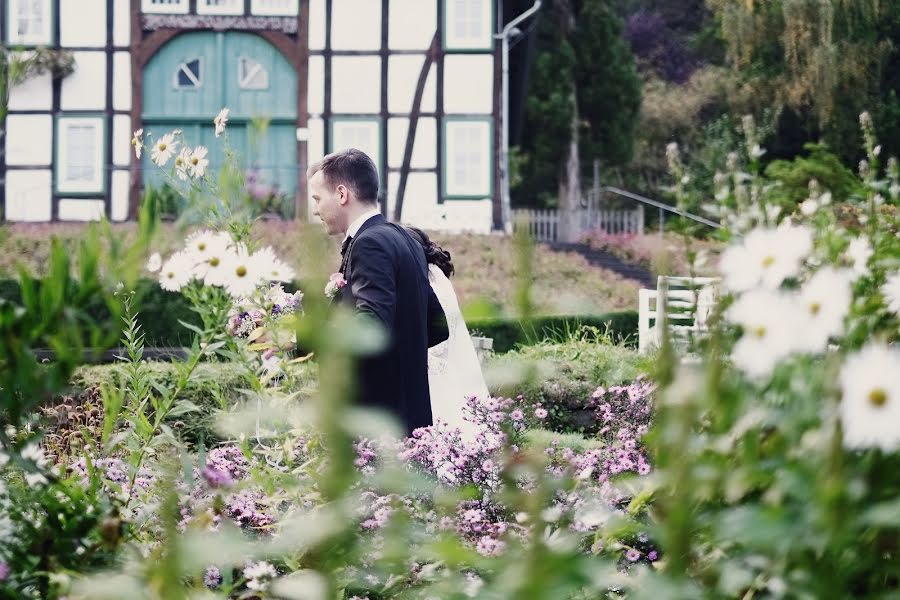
column 335, row 283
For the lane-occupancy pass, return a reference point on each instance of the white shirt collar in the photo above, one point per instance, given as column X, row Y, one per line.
column 355, row 225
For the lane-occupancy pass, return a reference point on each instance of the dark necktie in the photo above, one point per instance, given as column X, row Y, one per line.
column 345, row 244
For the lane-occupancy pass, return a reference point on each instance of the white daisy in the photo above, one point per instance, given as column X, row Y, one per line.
column 825, row 301
column 214, row 270
column 154, row 263
column 809, row 207
column 181, row 163
column 770, row 321
column 257, row 575
column 164, row 149
column 243, row 273
column 198, row 162
column 220, row 121
column 870, row 404
column 137, row 141
column 858, row 253
column 204, row 243
column 891, row 291
column 176, row 272
column 274, row 269
column 766, row 257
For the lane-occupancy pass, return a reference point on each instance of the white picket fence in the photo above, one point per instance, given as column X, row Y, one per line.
column 543, row 225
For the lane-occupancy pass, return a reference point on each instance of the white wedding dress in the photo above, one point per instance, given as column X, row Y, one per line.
column 454, row 372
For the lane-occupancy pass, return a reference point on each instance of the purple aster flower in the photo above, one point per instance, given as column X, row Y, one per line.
column 653, row 555
column 213, row 578
column 540, row 413
column 4, row 571
column 216, row 478
column 632, row 555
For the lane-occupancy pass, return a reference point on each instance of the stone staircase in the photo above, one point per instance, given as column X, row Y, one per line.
column 605, row 260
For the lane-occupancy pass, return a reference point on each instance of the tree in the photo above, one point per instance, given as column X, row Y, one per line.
column 583, row 99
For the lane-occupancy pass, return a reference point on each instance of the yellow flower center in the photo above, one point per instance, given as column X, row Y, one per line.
column 214, row 262
column 878, row 397
column 201, row 246
column 162, row 147
column 195, row 160
column 814, row 308
column 759, row 332
column 241, row 271
column 768, row 261
column 170, row 275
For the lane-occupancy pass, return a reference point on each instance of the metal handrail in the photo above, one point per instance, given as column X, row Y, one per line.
column 661, row 206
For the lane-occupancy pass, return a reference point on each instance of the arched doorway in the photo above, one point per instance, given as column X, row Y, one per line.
column 194, row 75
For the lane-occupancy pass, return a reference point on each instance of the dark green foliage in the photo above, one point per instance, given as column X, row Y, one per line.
column 510, row 333
column 820, row 164
column 582, row 65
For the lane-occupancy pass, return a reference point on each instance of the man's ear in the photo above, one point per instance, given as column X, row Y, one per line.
column 343, row 193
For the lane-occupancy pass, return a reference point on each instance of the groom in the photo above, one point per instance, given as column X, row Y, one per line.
column 387, row 280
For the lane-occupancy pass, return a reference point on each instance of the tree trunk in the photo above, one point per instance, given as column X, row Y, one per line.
column 570, row 184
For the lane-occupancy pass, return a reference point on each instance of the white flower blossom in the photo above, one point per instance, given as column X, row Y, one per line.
column 154, row 262
column 164, row 149
column 859, row 252
column 181, row 163
column 825, row 301
column 766, row 257
column 891, row 291
column 809, row 207
column 770, row 320
column 273, row 268
column 870, row 404
column 176, row 272
column 259, row 574
column 137, row 141
column 243, row 272
column 198, row 162
column 220, row 121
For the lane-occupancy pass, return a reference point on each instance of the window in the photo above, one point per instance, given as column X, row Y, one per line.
column 29, row 22
column 468, row 161
column 189, row 74
column 80, row 151
column 220, row 7
column 165, row 6
column 252, row 75
column 468, row 25
column 275, row 8
column 362, row 134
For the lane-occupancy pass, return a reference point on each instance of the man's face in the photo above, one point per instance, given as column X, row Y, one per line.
column 330, row 203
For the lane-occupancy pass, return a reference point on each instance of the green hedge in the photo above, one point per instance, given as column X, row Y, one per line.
column 160, row 312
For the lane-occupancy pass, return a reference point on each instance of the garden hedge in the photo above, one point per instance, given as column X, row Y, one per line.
column 160, row 312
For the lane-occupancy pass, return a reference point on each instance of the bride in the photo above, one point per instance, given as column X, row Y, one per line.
column 454, row 372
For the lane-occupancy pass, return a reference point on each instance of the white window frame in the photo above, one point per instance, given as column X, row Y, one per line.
column 465, row 190
column 182, row 67
column 243, row 82
column 179, row 8
column 44, row 37
column 232, row 7
column 371, row 123
column 483, row 41
column 264, row 8
column 97, row 183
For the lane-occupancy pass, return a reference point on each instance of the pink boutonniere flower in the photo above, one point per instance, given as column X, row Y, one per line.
column 335, row 283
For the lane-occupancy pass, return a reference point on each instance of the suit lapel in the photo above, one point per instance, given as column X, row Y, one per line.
column 345, row 260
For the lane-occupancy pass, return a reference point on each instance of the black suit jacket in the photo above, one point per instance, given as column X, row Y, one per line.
column 387, row 279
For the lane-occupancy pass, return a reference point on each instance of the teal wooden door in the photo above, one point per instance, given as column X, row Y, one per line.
column 196, row 74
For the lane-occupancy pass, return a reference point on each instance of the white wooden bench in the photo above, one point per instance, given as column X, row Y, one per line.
column 682, row 304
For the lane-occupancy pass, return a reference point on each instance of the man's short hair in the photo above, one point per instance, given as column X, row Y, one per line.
column 352, row 168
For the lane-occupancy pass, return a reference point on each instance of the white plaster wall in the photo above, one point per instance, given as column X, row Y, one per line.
column 356, row 24
column 468, row 83
column 315, row 149
column 122, row 22
column 424, row 149
column 122, row 81
column 119, row 205
column 85, row 89
column 121, row 143
column 466, row 215
column 412, row 24
column 274, row 7
column 356, row 84
column 29, row 140
column 420, row 207
column 35, row 93
column 28, row 195
column 403, row 75
column 316, row 85
column 82, row 23
column 80, row 209
column 316, row 24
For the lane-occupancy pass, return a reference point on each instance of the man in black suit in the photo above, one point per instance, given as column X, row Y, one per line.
column 387, row 279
